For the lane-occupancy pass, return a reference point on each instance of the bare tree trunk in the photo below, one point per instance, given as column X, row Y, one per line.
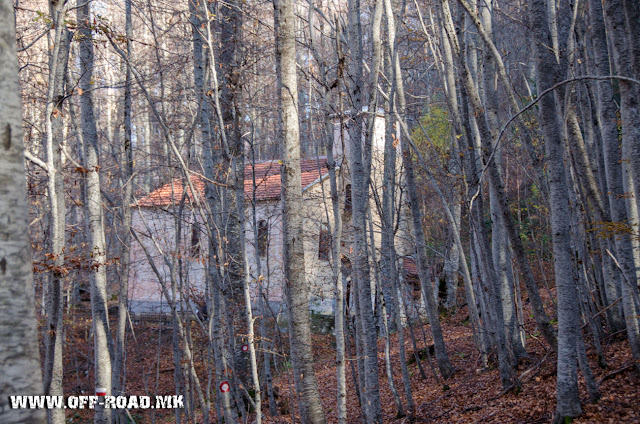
column 127, row 200
column 622, row 49
column 548, row 73
column 219, row 346
column 495, row 318
column 446, row 369
column 442, row 357
column 336, row 255
column 483, row 137
column 502, row 75
column 499, row 240
column 294, row 265
column 448, row 75
column 383, row 318
column 212, row 158
column 360, row 191
column 452, row 262
column 263, row 304
column 542, row 320
column 253, row 363
column 231, row 24
column 94, row 207
column 54, row 123
column 19, row 354
column 389, row 266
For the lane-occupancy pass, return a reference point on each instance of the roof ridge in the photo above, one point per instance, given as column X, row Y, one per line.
column 268, row 182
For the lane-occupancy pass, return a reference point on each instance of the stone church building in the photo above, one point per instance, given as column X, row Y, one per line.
column 154, row 215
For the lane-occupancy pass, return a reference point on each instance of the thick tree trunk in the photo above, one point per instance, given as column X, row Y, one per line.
column 19, row 354
column 548, row 73
column 94, row 207
column 360, row 198
column 231, row 24
column 294, row 265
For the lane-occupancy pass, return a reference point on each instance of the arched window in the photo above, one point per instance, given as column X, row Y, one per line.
column 263, row 238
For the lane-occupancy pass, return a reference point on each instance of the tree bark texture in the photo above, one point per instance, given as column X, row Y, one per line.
column 360, row 198
column 54, row 124
column 548, row 73
column 98, row 256
column 19, row 354
column 294, row 267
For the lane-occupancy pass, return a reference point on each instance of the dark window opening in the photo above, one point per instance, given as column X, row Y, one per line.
column 263, row 238
column 347, row 198
column 195, row 241
column 324, row 244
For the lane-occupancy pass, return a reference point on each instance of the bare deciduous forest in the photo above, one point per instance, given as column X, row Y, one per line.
column 320, row 211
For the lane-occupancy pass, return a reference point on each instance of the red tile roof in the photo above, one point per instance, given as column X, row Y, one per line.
column 268, row 184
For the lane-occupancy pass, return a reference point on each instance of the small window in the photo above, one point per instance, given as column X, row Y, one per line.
column 324, row 243
column 195, row 241
column 263, row 238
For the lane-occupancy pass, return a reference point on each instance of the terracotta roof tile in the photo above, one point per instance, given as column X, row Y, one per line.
column 268, row 184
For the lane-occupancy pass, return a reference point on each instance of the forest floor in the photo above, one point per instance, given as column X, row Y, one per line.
column 474, row 395
column 471, row 395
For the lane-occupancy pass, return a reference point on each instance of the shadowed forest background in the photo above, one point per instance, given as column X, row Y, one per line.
column 344, row 211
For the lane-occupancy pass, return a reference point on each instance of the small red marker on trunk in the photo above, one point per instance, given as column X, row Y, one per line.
column 101, row 391
column 225, row 387
column 245, row 348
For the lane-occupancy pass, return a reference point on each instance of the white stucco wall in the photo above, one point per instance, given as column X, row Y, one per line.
column 146, row 292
